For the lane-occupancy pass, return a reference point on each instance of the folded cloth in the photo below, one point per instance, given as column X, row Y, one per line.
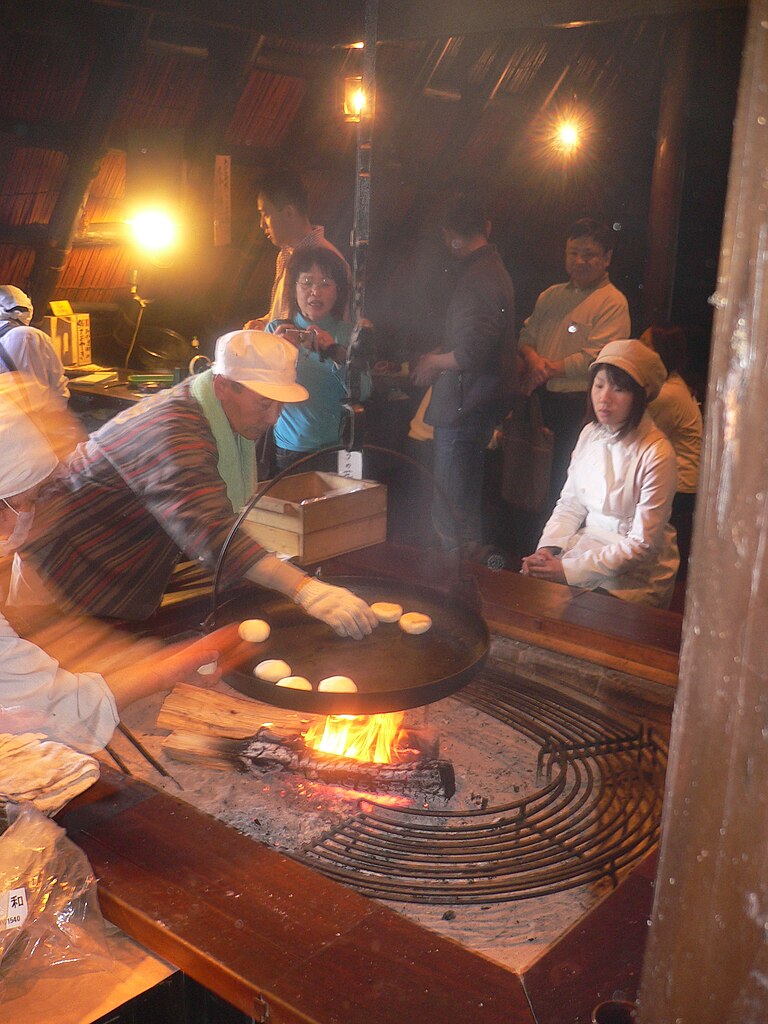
column 42, row 772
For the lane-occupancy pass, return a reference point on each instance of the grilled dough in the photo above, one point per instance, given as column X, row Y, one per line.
column 272, row 670
column 337, row 684
column 387, row 612
column 415, row 622
column 295, row 683
column 255, row 631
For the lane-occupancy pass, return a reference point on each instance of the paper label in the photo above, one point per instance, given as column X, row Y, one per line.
column 13, row 908
column 350, row 465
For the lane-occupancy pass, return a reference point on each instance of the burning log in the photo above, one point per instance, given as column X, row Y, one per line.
column 288, row 751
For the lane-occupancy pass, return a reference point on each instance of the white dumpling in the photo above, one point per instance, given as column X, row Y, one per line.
column 254, row 631
column 295, row 683
column 337, row 684
column 272, row 670
column 415, row 622
column 386, row 611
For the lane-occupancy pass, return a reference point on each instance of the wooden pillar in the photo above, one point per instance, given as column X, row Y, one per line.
column 119, row 39
column 668, row 173
column 707, row 955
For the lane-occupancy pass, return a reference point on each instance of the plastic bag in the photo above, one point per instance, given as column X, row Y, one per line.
column 49, row 910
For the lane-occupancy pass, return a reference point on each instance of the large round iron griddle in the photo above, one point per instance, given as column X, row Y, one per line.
column 392, row 669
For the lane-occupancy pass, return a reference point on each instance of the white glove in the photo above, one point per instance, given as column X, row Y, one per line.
column 345, row 612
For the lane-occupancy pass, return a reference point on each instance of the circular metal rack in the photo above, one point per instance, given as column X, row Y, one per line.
column 596, row 811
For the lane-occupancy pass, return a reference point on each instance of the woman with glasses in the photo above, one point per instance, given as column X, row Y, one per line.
column 318, row 290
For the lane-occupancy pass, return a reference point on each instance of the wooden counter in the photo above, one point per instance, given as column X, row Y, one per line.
column 632, row 638
column 284, row 944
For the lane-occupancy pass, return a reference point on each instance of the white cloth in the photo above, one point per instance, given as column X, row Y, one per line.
column 612, row 518
column 677, row 414
column 34, row 769
column 34, row 355
column 37, row 695
column 573, row 324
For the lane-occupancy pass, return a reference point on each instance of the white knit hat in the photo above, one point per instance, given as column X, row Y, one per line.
column 26, row 458
column 264, row 363
column 15, row 304
column 640, row 362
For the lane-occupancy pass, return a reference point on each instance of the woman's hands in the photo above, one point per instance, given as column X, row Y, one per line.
column 314, row 339
column 544, row 565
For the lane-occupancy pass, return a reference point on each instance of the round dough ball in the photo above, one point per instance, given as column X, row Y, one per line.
column 387, row 612
column 415, row 622
column 295, row 683
column 208, row 669
column 337, row 684
column 272, row 670
column 255, row 631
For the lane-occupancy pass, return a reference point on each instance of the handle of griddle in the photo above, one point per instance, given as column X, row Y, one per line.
column 466, row 587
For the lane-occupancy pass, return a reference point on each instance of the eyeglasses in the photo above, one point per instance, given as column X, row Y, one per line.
column 10, row 506
column 310, row 282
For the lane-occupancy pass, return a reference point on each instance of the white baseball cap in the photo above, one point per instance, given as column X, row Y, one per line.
column 264, row 363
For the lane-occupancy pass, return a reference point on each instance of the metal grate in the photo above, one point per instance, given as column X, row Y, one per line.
column 596, row 810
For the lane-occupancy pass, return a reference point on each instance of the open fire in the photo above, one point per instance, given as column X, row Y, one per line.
column 380, row 739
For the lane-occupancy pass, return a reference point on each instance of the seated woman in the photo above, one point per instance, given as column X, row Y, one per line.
column 318, row 288
column 610, row 529
column 80, row 709
column 677, row 414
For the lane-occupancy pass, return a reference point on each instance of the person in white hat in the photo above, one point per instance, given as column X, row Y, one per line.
column 166, row 479
column 29, row 351
column 36, row 693
column 610, row 529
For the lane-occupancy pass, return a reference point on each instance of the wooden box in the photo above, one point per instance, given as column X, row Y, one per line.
column 318, row 515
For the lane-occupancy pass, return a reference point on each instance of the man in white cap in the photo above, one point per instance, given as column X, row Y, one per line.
column 29, row 351
column 166, row 479
column 36, row 694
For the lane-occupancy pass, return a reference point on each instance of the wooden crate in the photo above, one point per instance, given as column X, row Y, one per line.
column 317, row 515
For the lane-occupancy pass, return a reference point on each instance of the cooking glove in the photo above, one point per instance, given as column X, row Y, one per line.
column 345, row 613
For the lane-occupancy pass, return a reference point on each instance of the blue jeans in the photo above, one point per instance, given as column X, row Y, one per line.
column 458, row 470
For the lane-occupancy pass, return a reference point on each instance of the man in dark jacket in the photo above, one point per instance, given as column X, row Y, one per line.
column 469, row 374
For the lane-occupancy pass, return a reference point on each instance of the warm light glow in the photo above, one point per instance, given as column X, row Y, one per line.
column 567, row 135
column 153, row 230
column 363, row 737
column 355, row 100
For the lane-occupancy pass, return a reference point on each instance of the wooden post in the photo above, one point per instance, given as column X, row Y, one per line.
column 707, row 955
column 668, row 173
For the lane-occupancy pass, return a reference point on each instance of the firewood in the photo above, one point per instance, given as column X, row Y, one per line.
column 287, row 751
column 268, row 750
column 193, row 709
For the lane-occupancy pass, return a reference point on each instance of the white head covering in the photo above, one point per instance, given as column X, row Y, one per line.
column 26, row 458
column 15, row 304
column 264, row 363
column 640, row 362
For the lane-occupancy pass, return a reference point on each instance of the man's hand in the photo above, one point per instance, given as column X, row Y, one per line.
column 345, row 612
column 427, row 369
column 544, row 565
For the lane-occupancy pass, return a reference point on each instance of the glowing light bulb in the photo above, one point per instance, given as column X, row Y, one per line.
column 153, row 230
column 567, row 135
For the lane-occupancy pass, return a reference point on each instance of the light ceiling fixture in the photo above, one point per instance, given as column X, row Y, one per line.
column 355, row 100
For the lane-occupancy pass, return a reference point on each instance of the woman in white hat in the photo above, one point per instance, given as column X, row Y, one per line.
column 610, row 529
column 36, row 694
